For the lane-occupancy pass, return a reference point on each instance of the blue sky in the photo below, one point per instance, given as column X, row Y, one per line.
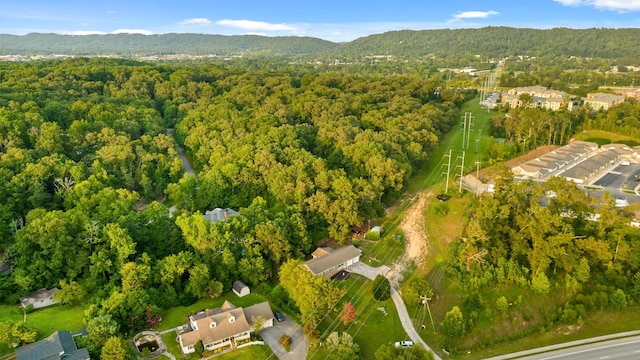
column 334, row 20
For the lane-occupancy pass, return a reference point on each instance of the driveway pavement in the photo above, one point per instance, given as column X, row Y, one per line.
column 299, row 343
column 368, row 271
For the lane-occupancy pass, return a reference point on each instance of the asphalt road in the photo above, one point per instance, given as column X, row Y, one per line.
column 619, row 349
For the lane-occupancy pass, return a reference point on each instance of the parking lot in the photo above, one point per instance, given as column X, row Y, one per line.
column 622, row 177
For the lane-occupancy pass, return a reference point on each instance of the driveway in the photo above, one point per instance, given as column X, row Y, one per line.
column 299, row 344
column 368, row 271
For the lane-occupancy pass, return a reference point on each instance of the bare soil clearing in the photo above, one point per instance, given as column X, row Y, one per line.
column 416, row 237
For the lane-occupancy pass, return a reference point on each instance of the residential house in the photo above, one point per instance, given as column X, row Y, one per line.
column 602, row 101
column 223, row 327
column 327, row 261
column 219, row 214
column 39, row 298
column 241, row 289
column 59, row 345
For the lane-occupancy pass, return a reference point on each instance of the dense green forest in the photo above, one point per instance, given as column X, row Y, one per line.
column 456, row 46
column 88, row 171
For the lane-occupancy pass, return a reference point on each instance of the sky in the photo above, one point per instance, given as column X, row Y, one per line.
column 333, row 20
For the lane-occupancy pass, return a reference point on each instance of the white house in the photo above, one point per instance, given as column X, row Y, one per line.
column 39, row 298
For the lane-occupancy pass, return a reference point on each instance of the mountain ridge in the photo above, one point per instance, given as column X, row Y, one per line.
column 488, row 41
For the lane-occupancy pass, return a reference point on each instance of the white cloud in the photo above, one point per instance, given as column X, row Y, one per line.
column 132, row 31
column 255, row 25
column 473, row 15
column 616, row 5
column 195, row 21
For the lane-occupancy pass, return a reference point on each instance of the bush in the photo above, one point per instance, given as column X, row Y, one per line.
column 381, row 288
column 285, row 341
column 372, row 235
column 441, row 209
column 618, row 299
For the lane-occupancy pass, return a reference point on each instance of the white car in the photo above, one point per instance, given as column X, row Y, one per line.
column 405, row 343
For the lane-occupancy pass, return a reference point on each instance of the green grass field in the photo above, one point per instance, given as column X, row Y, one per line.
column 603, row 137
column 46, row 321
column 371, row 328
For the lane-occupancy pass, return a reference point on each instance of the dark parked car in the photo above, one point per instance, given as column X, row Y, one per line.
column 279, row 316
column 443, row 197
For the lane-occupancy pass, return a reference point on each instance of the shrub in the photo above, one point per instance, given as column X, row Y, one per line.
column 441, row 209
column 381, row 288
column 285, row 340
column 618, row 299
column 372, row 235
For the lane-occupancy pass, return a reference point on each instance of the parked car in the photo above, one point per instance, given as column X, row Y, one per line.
column 443, row 197
column 405, row 343
column 279, row 316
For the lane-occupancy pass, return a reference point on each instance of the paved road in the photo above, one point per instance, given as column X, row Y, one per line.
column 581, row 349
column 627, row 348
column 299, row 343
column 405, row 320
column 186, row 165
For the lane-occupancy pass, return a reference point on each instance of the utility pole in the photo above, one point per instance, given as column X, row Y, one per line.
column 469, row 125
column 461, row 171
column 446, row 183
column 425, row 302
column 464, row 129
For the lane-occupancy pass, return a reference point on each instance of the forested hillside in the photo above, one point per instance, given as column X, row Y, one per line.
column 498, row 42
column 129, row 45
column 451, row 44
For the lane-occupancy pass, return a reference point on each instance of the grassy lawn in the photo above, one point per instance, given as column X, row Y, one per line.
column 371, row 328
column 383, row 251
column 178, row 315
column 603, row 137
column 261, row 352
column 46, row 321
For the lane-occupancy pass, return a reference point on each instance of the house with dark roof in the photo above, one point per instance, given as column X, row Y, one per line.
column 39, row 298
column 327, row 261
column 224, row 327
column 59, row 345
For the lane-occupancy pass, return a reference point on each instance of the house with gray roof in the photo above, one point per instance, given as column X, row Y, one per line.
column 39, row 298
column 331, row 260
column 219, row 214
column 59, row 345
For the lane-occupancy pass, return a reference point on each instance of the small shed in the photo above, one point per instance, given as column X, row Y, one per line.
column 241, row 289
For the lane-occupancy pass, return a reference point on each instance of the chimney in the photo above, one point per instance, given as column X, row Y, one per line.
column 226, row 214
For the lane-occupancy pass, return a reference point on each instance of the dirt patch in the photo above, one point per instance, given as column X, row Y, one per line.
column 414, row 230
column 413, row 226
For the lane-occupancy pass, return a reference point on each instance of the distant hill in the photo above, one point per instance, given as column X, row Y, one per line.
column 493, row 42
column 499, row 42
column 165, row 44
